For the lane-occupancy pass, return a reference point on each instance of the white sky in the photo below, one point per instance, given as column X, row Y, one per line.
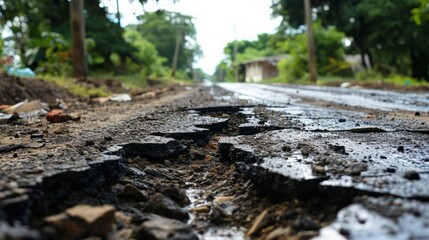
column 214, row 21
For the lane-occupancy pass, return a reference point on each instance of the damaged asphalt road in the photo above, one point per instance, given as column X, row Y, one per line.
column 232, row 161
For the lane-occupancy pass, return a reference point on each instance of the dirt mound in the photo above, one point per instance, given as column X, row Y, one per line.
column 16, row 89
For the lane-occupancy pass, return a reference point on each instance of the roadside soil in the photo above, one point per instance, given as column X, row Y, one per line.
column 15, row 89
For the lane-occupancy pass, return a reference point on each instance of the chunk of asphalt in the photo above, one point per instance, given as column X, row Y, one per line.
column 154, row 147
column 260, row 157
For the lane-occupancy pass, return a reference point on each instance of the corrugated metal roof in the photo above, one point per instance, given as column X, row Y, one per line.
column 272, row 60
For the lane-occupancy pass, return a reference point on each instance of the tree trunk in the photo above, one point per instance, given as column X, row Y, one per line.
column 176, row 54
column 419, row 66
column 80, row 68
column 311, row 49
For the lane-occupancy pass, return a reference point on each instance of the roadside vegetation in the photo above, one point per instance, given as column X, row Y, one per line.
column 384, row 50
column 37, row 35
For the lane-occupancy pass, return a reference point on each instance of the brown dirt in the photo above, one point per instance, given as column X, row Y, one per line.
column 16, row 89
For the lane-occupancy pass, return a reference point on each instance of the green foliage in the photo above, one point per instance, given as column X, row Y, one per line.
column 164, row 29
column 151, row 64
column 77, row 89
column 329, row 50
column 368, row 74
column 223, row 73
column 394, row 43
column 57, row 55
column 199, row 75
column 265, row 45
column 421, row 14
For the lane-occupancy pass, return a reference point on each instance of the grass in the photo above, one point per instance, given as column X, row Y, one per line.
column 75, row 88
column 131, row 81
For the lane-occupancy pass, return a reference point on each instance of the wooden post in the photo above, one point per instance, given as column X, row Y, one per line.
column 176, row 53
column 118, row 13
column 80, row 68
column 311, row 49
column 235, row 64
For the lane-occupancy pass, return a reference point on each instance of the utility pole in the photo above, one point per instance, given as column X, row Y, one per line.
column 311, row 49
column 176, row 53
column 235, row 63
column 80, row 69
column 118, row 13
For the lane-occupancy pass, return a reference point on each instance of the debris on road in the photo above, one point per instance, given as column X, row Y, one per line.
column 59, row 116
column 83, row 221
column 120, row 98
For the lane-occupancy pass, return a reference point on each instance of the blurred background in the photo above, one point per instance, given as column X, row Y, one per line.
column 356, row 42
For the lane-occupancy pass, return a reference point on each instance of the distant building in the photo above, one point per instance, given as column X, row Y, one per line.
column 262, row 68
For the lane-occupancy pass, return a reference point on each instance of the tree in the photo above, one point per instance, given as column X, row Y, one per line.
column 421, row 14
column 392, row 43
column 330, row 53
column 163, row 29
column 264, row 45
column 80, row 68
column 150, row 63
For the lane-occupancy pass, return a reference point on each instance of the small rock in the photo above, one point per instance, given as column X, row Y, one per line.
column 17, row 232
column 60, row 130
column 319, row 169
column 390, row 170
column 120, row 216
column 338, row 148
column 2, row 107
column 400, row 149
column 11, row 147
column 75, row 117
column 58, row 116
column 89, row 143
column 367, row 129
column 125, row 233
column 286, row 148
column 132, row 192
column 412, row 175
column 37, row 135
column 201, row 209
column 164, row 229
column 305, row 223
column 99, row 219
column 35, row 145
column 84, row 220
column 164, row 206
column 341, row 120
column 417, row 114
column 221, row 199
column 260, row 222
column 174, row 192
column 279, row 233
column 108, row 138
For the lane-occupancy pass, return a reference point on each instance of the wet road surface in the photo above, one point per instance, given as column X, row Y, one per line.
column 367, row 143
column 228, row 161
column 370, row 99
